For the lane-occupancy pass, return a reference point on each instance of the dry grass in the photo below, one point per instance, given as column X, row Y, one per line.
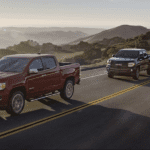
column 103, row 62
column 103, row 49
column 61, row 56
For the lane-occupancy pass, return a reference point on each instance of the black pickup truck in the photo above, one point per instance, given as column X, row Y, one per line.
column 128, row 62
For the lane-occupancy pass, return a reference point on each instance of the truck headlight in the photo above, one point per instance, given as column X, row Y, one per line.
column 108, row 62
column 131, row 64
column 2, row 86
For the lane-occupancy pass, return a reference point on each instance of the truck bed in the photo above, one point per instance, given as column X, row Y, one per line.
column 69, row 68
column 64, row 63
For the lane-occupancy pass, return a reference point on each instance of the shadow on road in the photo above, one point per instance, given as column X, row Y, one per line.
column 95, row 127
column 27, row 117
column 131, row 80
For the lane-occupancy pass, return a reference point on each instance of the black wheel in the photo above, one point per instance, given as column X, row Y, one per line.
column 110, row 75
column 148, row 71
column 137, row 72
column 16, row 103
column 68, row 90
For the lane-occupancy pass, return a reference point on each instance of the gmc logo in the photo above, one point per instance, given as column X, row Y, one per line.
column 118, row 64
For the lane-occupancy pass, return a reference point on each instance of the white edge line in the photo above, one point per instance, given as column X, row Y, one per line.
column 93, row 76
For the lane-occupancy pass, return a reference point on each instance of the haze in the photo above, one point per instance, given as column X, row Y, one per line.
column 78, row 13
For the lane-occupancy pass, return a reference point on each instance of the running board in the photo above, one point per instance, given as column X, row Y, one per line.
column 44, row 97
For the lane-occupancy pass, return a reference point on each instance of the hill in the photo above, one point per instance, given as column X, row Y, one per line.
column 123, row 31
column 9, row 37
column 55, row 37
column 89, row 31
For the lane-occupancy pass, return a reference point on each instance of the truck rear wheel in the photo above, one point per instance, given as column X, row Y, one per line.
column 68, row 90
column 110, row 75
column 137, row 72
column 148, row 71
column 16, row 103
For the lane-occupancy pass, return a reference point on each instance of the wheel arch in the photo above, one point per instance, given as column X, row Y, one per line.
column 20, row 88
column 70, row 78
column 138, row 66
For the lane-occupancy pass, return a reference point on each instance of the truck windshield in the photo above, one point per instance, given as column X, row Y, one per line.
column 127, row 54
column 12, row 64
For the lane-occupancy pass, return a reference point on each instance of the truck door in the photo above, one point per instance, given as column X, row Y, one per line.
column 146, row 60
column 35, row 82
column 141, row 61
column 52, row 73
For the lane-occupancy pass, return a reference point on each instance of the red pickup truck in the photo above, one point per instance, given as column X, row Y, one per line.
column 33, row 77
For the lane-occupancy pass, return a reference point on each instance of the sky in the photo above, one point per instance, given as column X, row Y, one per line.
column 74, row 13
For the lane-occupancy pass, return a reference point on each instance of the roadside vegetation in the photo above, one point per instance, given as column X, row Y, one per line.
column 31, row 46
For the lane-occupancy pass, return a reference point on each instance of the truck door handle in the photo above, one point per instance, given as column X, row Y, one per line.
column 43, row 75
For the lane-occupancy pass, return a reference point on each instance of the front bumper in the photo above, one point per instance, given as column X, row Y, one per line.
column 128, row 71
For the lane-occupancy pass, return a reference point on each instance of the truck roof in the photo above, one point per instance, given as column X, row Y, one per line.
column 136, row 49
column 28, row 55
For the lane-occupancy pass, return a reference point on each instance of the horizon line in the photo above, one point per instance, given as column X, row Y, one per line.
column 70, row 26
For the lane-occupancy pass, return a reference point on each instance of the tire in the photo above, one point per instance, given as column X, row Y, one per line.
column 68, row 90
column 110, row 75
column 137, row 72
column 14, row 107
column 148, row 71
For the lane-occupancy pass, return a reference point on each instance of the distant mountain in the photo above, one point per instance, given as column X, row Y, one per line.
column 89, row 31
column 56, row 35
column 9, row 38
column 123, row 31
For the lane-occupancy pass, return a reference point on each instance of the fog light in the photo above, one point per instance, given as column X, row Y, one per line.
column 131, row 70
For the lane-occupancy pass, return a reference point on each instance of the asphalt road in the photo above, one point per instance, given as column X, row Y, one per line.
column 103, row 113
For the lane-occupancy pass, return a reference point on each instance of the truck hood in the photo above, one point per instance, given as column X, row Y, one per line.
column 122, row 59
column 7, row 74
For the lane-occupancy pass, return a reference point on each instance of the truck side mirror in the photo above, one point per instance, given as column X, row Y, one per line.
column 32, row 71
column 113, row 55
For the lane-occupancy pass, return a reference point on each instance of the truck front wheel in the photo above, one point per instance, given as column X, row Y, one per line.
column 68, row 90
column 110, row 75
column 137, row 72
column 16, row 103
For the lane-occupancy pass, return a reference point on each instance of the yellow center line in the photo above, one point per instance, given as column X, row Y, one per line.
column 64, row 113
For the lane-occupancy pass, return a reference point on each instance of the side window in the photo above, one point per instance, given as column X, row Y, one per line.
column 49, row 62
column 36, row 64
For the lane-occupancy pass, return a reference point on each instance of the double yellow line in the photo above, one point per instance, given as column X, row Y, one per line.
column 53, row 117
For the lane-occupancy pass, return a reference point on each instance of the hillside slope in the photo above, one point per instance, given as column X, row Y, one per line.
column 123, row 31
column 11, row 37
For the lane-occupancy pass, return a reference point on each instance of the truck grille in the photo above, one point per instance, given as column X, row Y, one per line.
column 124, row 64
